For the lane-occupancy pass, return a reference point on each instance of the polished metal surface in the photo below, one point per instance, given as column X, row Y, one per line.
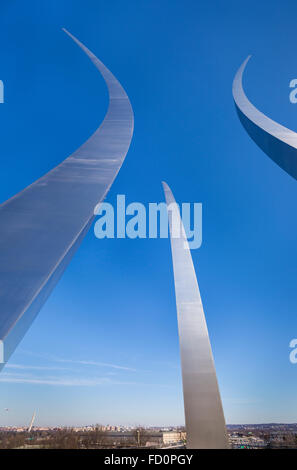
column 278, row 142
column 43, row 225
column 205, row 422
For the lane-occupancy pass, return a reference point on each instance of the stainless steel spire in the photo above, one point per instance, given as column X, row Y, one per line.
column 43, row 225
column 205, row 422
column 278, row 142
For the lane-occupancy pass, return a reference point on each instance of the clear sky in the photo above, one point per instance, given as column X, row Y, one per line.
column 104, row 348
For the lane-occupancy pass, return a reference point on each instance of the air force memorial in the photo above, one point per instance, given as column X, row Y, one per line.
column 40, row 232
column 277, row 141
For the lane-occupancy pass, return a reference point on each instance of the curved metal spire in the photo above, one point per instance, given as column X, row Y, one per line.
column 278, row 142
column 43, row 225
column 205, row 422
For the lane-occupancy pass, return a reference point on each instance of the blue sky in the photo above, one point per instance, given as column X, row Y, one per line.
column 104, row 348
